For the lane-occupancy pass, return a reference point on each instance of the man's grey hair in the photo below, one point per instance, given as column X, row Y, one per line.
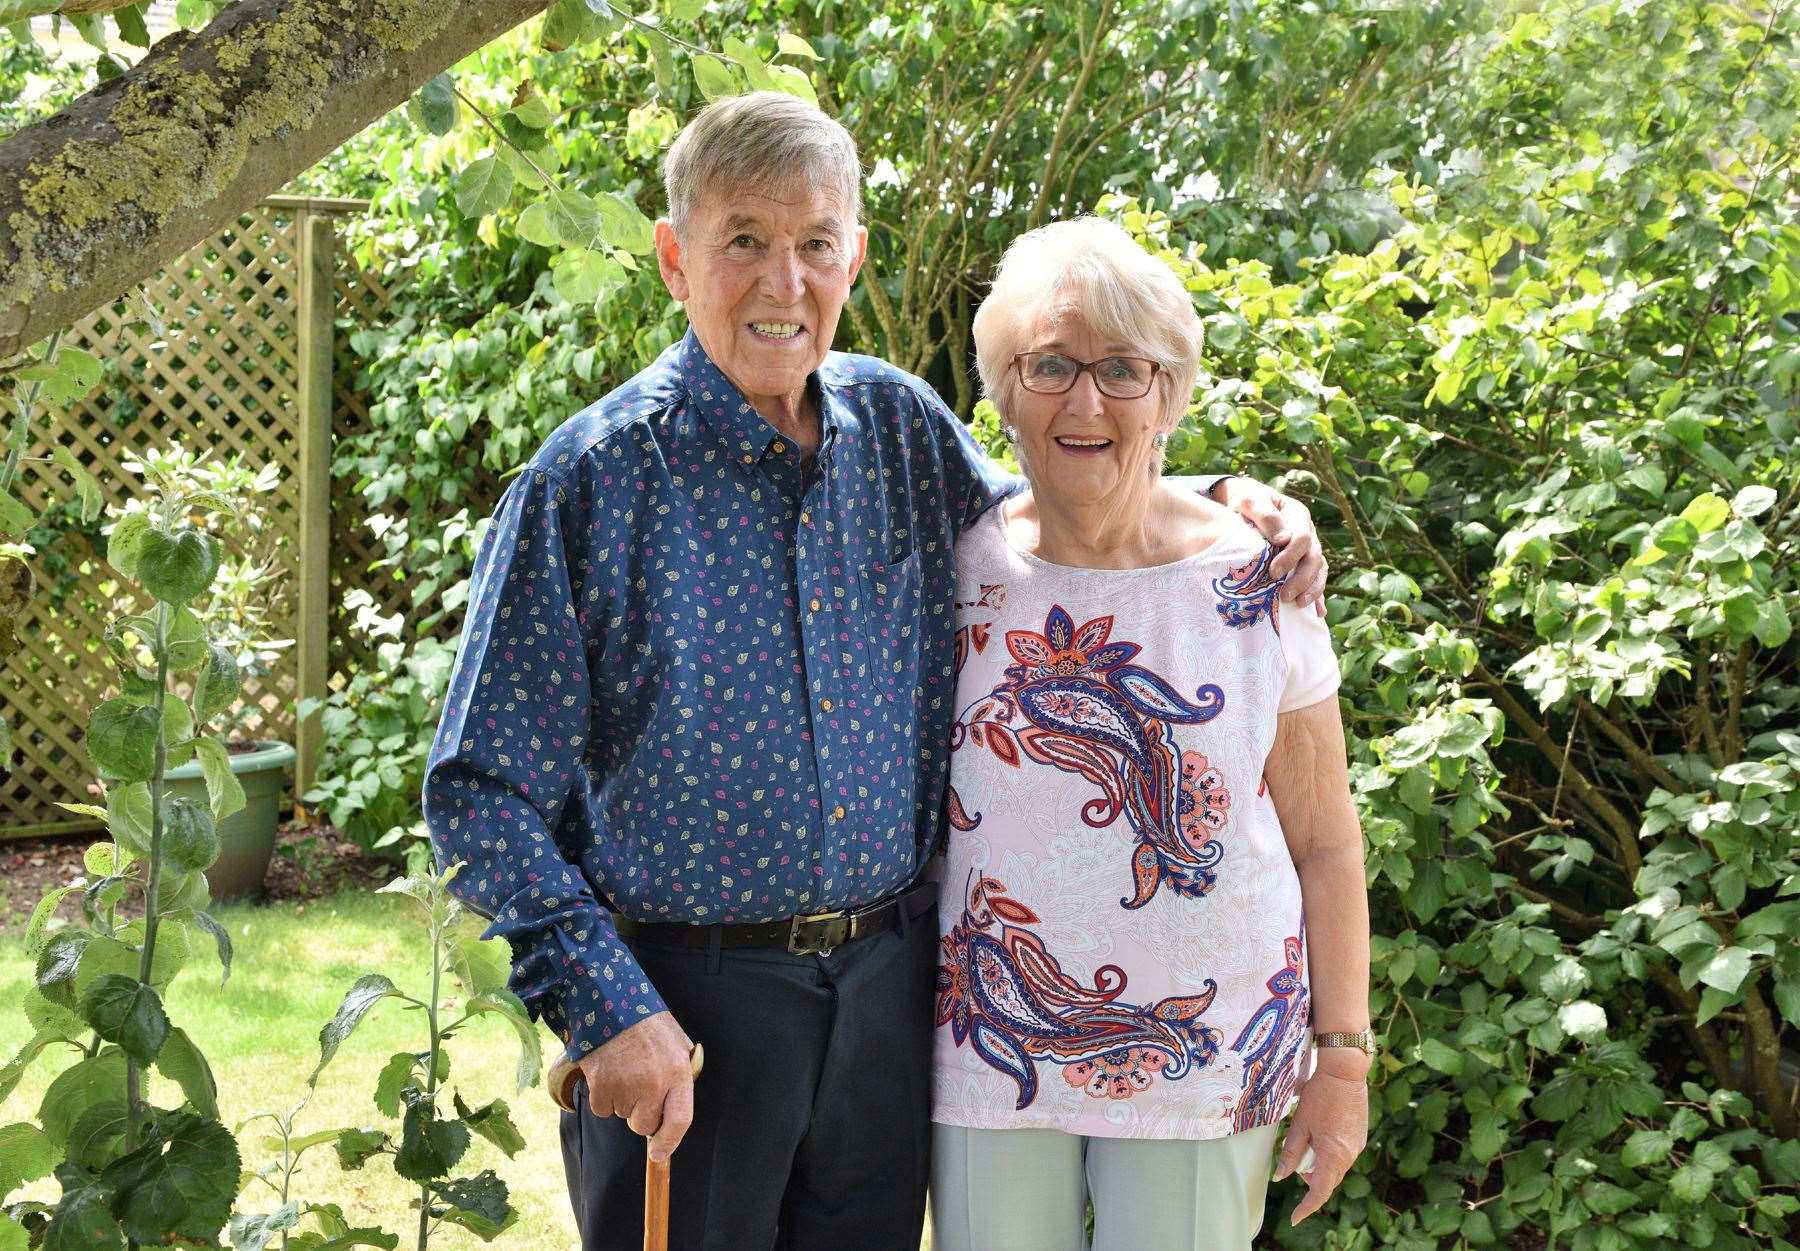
column 763, row 141
column 1125, row 293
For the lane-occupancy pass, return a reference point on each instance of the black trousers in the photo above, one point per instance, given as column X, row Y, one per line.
column 811, row 1118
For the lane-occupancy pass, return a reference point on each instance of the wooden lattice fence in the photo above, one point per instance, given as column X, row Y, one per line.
column 255, row 318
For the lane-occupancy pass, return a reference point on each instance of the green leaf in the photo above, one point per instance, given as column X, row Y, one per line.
column 437, row 104
column 1753, row 500
column 1726, row 969
column 356, row 1146
column 1691, row 1183
column 108, row 955
column 128, row 816
column 188, row 647
column 87, row 487
column 1774, row 626
column 624, row 226
column 574, row 218
column 534, row 225
column 131, row 24
column 221, row 940
column 26, row 1154
column 793, row 82
column 393, row 1078
column 125, row 1011
column 15, row 518
column 59, row 962
column 83, row 1220
column 1706, row 512
column 1647, row 1146
column 126, row 541
column 121, row 740
column 74, row 372
column 182, row 1063
column 14, row 1070
column 531, row 108
column 429, row 1146
column 217, row 684
column 368, row 990
column 98, row 1137
column 580, row 275
column 755, row 71
column 493, row 1121
column 478, row 1204
column 252, row 1233
column 37, row 930
column 1441, row 1056
column 484, row 187
column 99, row 1079
column 344, row 1238
column 713, row 78
column 793, row 45
column 572, row 22
column 178, row 721
column 507, row 1004
column 223, row 789
column 480, row 964
column 1582, row 1019
column 190, row 841
column 179, row 1183
column 1787, row 999
column 179, row 567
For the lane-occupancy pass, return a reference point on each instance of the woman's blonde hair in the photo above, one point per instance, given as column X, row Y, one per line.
column 1125, row 294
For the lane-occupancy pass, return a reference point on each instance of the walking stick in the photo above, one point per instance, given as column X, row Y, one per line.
column 656, row 1184
column 656, row 1176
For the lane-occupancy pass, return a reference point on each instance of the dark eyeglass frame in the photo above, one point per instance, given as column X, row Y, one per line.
column 1081, row 367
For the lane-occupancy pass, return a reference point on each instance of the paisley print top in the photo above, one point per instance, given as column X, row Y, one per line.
column 1123, row 951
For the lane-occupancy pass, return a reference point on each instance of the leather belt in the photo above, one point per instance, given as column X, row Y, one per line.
column 810, row 934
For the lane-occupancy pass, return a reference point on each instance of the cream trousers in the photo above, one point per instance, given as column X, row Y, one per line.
column 1028, row 1190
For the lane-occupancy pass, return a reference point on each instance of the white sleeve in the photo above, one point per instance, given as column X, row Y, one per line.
column 1312, row 667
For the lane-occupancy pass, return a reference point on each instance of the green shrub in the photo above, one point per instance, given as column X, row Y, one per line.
column 1549, row 428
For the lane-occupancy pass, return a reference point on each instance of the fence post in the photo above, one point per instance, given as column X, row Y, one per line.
column 318, row 299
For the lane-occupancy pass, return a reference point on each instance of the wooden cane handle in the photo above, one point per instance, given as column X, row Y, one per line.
column 564, row 1072
column 656, row 1182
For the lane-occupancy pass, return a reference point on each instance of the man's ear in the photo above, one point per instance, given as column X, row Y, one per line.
column 668, row 259
column 859, row 249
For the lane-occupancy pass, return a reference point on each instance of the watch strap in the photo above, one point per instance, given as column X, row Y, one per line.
column 1363, row 1041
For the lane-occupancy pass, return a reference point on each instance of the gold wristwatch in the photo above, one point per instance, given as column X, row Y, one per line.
column 1363, row 1041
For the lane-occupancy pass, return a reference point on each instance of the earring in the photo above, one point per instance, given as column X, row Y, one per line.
column 1012, row 435
column 1161, row 441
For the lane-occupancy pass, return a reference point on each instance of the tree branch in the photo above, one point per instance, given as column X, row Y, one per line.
column 146, row 165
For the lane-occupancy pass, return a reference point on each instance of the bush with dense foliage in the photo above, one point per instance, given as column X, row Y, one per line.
column 1548, row 425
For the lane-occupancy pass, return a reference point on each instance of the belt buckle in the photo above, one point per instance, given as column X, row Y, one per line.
column 837, row 933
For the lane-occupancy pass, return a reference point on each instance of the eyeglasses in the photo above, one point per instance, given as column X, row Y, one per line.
column 1051, row 373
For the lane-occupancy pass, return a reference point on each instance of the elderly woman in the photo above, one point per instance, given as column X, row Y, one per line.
column 1153, row 906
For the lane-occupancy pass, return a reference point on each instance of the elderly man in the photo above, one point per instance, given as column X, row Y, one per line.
column 694, row 745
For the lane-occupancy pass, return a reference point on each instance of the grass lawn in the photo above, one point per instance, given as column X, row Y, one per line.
column 261, row 1032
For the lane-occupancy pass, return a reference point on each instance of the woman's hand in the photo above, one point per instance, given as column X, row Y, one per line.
column 1288, row 526
column 1332, row 1119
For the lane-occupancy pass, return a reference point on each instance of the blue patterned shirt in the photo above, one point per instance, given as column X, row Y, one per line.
column 700, row 681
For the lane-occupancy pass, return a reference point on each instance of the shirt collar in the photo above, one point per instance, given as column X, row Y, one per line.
column 745, row 431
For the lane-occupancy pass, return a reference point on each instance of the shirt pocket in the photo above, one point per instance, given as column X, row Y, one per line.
column 890, row 626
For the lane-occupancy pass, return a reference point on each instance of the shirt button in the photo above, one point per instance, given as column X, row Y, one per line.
column 837, row 813
column 778, row 447
column 749, row 459
column 813, row 605
column 825, row 704
column 806, row 519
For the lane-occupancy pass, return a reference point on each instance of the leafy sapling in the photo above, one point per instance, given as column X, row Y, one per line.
column 433, row 1138
column 132, row 1173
